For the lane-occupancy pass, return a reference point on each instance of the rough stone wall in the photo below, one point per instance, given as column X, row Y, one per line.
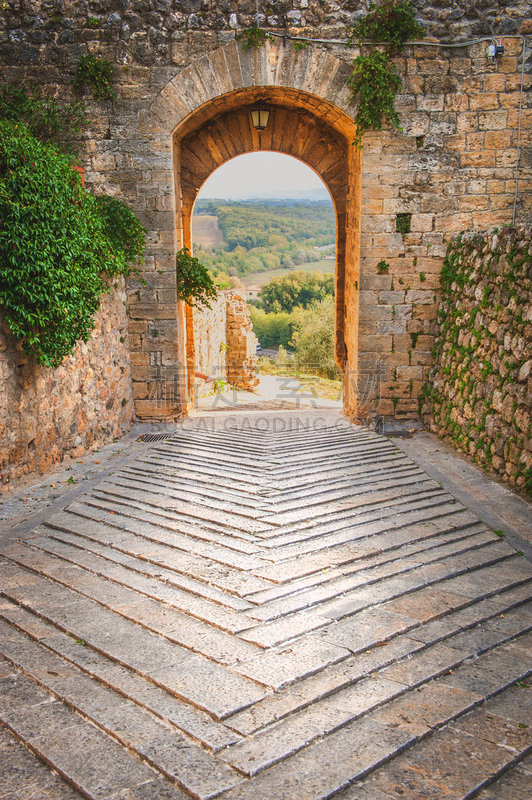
column 149, row 33
column 210, row 341
column 241, row 344
column 480, row 393
column 47, row 415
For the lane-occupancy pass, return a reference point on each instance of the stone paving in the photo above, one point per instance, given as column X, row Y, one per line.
column 267, row 611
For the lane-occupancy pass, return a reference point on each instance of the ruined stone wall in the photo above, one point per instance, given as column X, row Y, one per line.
column 210, row 341
column 480, row 393
column 241, row 344
column 225, row 344
column 49, row 414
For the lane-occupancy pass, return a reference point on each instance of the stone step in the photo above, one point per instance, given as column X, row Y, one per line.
column 358, row 497
column 158, row 485
column 192, row 483
column 181, row 507
column 77, row 519
column 192, row 677
column 23, row 775
column 498, row 576
column 198, row 725
column 344, row 473
column 382, row 583
column 385, row 743
column 127, row 537
column 163, row 576
column 327, row 530
column 199, row 773
column 201, row 609
column 208, row 531
column 342, row 486
column 440, row 616
column 93, row 763
column 486, row 742
column 147, row 612
column 297, row 655
column 280, row 629
column 188, row 476
column 379, row 548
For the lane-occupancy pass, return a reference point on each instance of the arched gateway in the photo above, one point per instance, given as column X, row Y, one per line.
column 204, row 112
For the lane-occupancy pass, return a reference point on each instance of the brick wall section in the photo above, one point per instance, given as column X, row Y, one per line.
column 480, row 392
column 49, row 414
column 241, row 343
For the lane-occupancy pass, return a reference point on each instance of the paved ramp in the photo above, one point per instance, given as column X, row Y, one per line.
column 281, row 615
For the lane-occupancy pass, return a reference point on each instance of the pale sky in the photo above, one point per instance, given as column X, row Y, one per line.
column 253, row 174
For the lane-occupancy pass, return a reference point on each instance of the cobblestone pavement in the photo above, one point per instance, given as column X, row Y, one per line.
column 286, row 609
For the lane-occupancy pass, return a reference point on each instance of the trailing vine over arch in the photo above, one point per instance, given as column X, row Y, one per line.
column 374, row 80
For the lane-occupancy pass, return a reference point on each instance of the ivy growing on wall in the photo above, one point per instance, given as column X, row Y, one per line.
column 374, row 81
column 58, row 243
column 97, row 73
column 390, row 23
column 194, row 284
column 43, row 116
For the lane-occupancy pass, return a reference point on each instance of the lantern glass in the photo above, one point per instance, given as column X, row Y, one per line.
column 260, row 118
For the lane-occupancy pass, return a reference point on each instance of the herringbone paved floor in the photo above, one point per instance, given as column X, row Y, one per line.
column 270, row 616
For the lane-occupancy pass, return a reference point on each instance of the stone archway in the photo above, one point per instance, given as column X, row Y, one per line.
column 204, row 111
column 296, row 130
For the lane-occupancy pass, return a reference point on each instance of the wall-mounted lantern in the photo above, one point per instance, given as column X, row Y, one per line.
column 260, row 117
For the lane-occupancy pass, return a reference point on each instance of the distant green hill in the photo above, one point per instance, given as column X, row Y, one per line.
column 261, row 237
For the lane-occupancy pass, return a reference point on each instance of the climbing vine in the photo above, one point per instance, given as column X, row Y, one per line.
column 375, row 81
column 390, row 23
column 57, row 244
column 97, row 73
column 43, row 116
column 194, row 284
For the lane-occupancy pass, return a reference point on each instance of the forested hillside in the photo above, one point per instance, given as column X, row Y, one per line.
column 253, row 226
column 295, row 308
column 259, row 236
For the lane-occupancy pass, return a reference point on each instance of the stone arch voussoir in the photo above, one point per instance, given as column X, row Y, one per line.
column 230, row 69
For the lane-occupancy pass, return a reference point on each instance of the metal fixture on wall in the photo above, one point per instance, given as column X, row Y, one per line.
column 260, row 116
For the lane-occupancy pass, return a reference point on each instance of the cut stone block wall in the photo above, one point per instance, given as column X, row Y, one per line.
column 452, row 169
column 480, row 393
column 47, row 415
column 210, row 339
